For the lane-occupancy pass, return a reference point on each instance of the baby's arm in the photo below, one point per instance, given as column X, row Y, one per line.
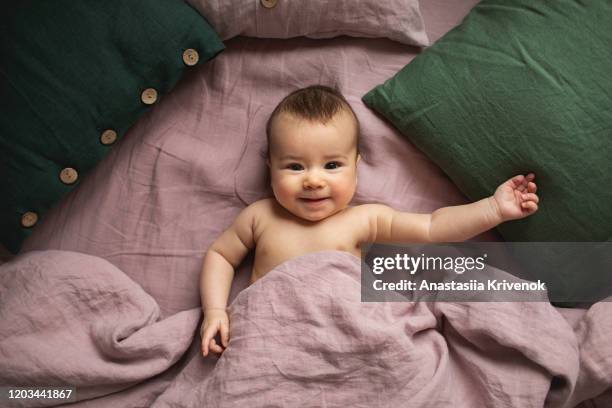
column 514, row 199
column 222, row 258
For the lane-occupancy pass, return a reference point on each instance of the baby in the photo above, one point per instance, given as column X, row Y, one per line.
column 312, row 156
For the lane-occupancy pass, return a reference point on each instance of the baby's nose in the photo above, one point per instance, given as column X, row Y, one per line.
column 313, row 181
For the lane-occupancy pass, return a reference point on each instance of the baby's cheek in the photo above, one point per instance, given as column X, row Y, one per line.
column 345, row 192
column 282, row 190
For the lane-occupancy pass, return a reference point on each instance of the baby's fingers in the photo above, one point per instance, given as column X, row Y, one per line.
column 214, row 347
column 527, row 181
column 204, row 347
column 522, row 183
column 531, row 187
column 209, row 333
column 518, row 180
column 530, row 197
column 224, row 334
column 529, row 206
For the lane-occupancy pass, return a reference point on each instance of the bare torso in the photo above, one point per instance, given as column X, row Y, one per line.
column 280, row 236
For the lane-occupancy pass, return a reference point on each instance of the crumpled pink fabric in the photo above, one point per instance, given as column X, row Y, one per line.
column 300, row 336
column 74, row 319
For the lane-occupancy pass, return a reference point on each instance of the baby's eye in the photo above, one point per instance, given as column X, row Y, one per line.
column 295, row 166
column 333, row 165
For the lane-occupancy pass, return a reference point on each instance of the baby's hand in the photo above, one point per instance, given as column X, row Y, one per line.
column 215, row 320
column 517, row 198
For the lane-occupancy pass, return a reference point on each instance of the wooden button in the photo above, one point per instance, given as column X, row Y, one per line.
column 269, row 3
column 108, row 137
column 190, row 57
column 69, row 175
column 149, row 96
column 29, row 219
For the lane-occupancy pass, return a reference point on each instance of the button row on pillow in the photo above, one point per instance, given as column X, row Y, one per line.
column 67, row 176
column 268, row 3
column 70, row 176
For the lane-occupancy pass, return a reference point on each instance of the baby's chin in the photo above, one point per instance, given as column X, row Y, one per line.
column 316, row 217
column 313, row 218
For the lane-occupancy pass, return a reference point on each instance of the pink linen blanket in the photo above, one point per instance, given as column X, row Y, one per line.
column 300, row 337
column 73, row 319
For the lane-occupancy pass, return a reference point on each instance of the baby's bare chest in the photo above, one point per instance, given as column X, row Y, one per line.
column 281, row 241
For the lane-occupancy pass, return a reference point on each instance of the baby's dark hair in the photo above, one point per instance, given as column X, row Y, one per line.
column 314, row 103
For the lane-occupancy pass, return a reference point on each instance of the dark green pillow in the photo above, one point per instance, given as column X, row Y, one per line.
column 74, row 75
column 519, row 86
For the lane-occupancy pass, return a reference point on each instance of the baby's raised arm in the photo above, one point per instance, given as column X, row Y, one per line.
column 516, row 198
column 222, row 258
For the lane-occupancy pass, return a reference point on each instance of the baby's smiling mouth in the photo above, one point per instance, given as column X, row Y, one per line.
column 313, row 200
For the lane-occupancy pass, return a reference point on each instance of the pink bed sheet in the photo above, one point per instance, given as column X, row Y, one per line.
column 182, row 173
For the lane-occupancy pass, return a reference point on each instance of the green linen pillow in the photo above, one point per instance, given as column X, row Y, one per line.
column 74, row 75
column 519, row 86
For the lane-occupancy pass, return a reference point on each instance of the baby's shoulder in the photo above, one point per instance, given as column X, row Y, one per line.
column 260, row 213
column 265, row 204
column 251, row 212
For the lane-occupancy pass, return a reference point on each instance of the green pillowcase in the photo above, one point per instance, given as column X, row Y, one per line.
column 74, row 75
column 520, row 86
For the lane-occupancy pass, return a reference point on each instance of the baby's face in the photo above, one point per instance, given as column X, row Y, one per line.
column 313, row 166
